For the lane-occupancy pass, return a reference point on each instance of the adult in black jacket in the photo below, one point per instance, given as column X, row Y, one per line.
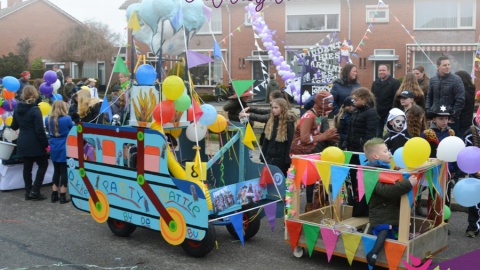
column 466, row 115
column 384, row 89
column 343, row 86
column 446, row 89
column 32, row 141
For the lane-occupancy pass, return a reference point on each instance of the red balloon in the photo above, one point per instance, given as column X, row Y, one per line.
column 164, row 111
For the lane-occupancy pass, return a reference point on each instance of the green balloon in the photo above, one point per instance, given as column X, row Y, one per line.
column 182, row 103
column 446, row 212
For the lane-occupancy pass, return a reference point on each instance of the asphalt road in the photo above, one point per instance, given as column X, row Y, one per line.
column 43, row 235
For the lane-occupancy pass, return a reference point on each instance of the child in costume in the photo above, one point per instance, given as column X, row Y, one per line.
column 384, row 206
column 397, row 134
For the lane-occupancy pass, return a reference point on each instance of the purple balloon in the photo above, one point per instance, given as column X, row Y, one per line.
column 50, row 76
column 468, row 159
column 9, row 105
column 46, row 89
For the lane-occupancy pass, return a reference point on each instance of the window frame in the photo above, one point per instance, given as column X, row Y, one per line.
column 211, row 76
column 459, row 11
column 372, row 8
column 325, row 17
column 215, row 12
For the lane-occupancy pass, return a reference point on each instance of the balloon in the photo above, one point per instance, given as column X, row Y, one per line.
column 57, row 97
column 1, row 121
column 415, row 152
column 45, row 108
column 467, row 192
column 9, row 105
column 8, row 94
column 333, row 154
column 50, row 76
column 468, row 159
column 46, row 89
column 446, row 211
column 56, row 85
column 174, row 132
column 8, row 120
column 11, row 83
column 10, row 134
column 146, row 74
column 449, row 148
column 164, row 111
column 199, row 128
column 1, row 102
column 173, row 87
column 219, row 125
column 398, row 158
column 182, row 103
column 209, row 115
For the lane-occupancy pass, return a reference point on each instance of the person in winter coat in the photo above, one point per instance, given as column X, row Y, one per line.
column 118, row 103
column 384, row 89
column 397, row 134
column 410, row 83
column 271, row 86
column 58, row 125
column 32, row 141
column 88, row 107
column 446, row 89
column 344, row 86
column 466, row 115
column 422, row 78
column 233, row 106
column 384, row 206
column 472, row 138
column 342, row 121
column 279, row 135
column 313, row 134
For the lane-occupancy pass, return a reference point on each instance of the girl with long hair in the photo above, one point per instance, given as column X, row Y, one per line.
column 58, row 125
column 416, row 121
column 88, row 107
column 410, row 83
column 422, row 78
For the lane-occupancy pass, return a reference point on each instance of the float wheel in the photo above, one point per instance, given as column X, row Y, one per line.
column 120, row 228
column 203, row 247
column 250, row 226
column 298, row 252
column 175, row 232
column 101, row 209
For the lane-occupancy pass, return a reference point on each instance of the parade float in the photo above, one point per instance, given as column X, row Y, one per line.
column 163, row 171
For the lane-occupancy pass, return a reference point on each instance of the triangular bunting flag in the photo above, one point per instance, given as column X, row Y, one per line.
column 197, row 111
column 394, row 253
column 348, row 156
column 351, row 242
column 368, row 243
column 370, row 179
column 270, row 212
column 195, row 59
column 241, row 86
column 133, row 22
column 120, row 66
column 389, row 177
column 294, row 229
column 216, row 50
column 265, row 177
column 207, row 12
column 249, row 137
column 197, row 162
column 361, row 185
column 237, row 222
column 300, row 166
column 429, row 177
column 436, row 183
column 311, row 236
column 363, row 159
column 338, row 176
column 330, row 238
column 105, row 108
column 325, row 173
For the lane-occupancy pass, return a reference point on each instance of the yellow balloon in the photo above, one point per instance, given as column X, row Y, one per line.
column 219, row 125
column 173, row 87
column 1, row 121
column 333, row 154
column 8, row 121
column 174, row 132
column 416, row 151
column 45, row 108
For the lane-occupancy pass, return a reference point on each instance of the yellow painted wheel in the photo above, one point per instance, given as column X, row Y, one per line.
column 174, row 232
column 101, row 209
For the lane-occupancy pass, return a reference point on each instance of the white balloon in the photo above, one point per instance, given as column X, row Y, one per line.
column 56, row 85
column 449, row 148
column 200, row 129
column 10, row 134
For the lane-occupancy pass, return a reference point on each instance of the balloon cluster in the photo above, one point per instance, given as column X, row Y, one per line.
column 50, row 84
column 413, row 154
column 266, row 34
column 10, row 87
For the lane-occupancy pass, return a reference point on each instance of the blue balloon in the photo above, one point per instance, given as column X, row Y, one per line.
column 11, row 83
column 146, row 74
column 467, row 192
column 209, row 115
column 398, row 158
column 57, row 97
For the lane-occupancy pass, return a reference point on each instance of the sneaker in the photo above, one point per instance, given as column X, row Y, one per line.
column 471, row 234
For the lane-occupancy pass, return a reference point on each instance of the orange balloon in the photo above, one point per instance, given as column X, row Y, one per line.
column 7, row 94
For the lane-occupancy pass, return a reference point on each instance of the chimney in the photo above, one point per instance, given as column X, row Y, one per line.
column 11, row 3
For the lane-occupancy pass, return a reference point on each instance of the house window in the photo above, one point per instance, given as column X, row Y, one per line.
column 318, row 16
column 216, row 23
column 377, row 13
column 207, row 74
column 458, row 60
column 445, row 14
